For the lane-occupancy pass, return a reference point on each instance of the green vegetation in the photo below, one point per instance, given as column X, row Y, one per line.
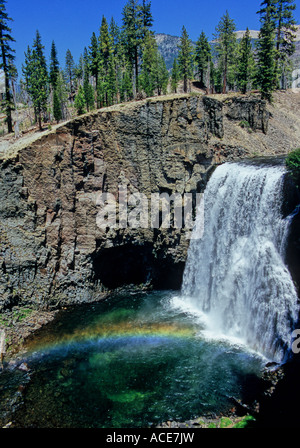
column 56, row 107
column 54, row 67
column 203, row 59
column 122, row 63
column 246, row 422
column 80, row 101
column 175, row 76
column 70, row 71
column 18, row 314
column 266, row 50
column 293, row 166
column 7, row 63
column 226, row 52
column 22, row 313
column 275, row 45
column 154, row 75
column 36, row 78
column 225, row 422
column 245, row 63
column 245, row 125
column 185, row 59
column 285, row 43
column 233, row 422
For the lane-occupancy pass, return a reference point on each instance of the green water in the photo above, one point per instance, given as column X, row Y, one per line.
column 131, row 361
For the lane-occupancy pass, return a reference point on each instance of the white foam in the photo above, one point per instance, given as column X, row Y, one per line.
column 208, row 329
column 235, row 279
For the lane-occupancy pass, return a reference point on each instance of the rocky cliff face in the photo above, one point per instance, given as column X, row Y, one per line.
column 52, row 249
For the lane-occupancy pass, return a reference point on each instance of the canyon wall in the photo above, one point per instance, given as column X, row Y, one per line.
column 53, row 252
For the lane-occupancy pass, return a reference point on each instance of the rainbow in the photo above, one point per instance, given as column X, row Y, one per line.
column 111, row 334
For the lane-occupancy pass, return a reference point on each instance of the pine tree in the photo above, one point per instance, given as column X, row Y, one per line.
column 117, row 52
column 107, row 71
column 89, row 95
column 87, row 87
column 78, row 72
column 146, row 18
column 36, row 77
column 266, row 52
column 245, row 63
column 70, row 70
column 105, row 45
column 39, row 48
column 54, row 66
column 285, row 38
column 126, row 91
column 211, row 78
column 62, row 93
column 40, row 78
column 149, row 65
column 162, row 77
column 175, row 76
column 26, row 67
column 86, row 64
column 57, row 112
column 114, row 32
column 154, row 75
column 7, row 62
column 53, row 75
column 226, row 46
column 79, row 102
column 94, row 59
column 185, row 59
column 202, row 57
column 112, row 86
column 137, row 21
column 26, row 71
column 132, row 33
column 102, row 93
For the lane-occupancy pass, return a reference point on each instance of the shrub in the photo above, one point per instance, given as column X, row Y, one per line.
column 293, row 166
column 244, row 124
column 79, row 102
column 246, row 422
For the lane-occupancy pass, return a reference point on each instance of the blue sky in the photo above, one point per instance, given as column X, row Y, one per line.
column 70, row 23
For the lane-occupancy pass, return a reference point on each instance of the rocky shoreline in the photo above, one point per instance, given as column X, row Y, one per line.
column 19, row 324
column 221, row 422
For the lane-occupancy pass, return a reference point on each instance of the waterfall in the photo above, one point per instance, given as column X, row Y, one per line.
column 236, row 274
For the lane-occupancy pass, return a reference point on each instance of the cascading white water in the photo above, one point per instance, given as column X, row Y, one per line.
column 235, row 274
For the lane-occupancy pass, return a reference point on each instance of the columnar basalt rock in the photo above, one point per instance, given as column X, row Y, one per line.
column 250, row 110
column 52, row 252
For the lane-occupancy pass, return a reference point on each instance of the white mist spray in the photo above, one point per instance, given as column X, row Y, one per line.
column 236, row 273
